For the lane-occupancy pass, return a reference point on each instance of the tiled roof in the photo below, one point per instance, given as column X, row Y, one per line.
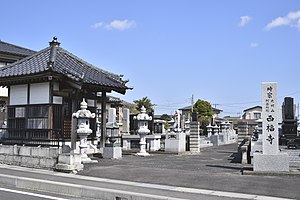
column 14, row 49
column 58, row 60
column 252, row 108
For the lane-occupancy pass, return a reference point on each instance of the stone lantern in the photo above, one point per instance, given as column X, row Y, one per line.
column 143, row 130
column 83, row 128
column 209, row 130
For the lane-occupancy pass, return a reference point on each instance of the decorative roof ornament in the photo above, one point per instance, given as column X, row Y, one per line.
column 54, row 42
column 53, row 45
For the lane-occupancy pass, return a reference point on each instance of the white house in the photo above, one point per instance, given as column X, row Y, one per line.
column 252, row 113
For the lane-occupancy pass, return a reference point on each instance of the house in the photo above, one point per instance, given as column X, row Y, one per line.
column 45, row 88
column 186, row 113
column 252, row 113
column 9, row 53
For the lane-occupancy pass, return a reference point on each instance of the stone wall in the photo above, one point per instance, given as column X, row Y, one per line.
column 36, row 157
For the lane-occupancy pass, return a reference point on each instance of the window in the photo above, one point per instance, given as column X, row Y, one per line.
column 257, row 115
column 30, row 117
column 20, row 112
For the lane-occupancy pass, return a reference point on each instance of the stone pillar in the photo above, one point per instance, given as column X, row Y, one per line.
column 125, row 120
column 270, row 159
column 195, row 136
column 242, row 133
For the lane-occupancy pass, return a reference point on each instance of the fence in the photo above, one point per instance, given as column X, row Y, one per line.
column 34, row 137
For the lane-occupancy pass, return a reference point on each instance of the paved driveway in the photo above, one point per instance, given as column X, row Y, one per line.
column 214, row 169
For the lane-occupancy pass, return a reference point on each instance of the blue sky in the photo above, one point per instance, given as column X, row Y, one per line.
column 219, row 51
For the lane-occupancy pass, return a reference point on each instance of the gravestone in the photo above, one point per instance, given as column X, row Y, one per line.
column 112, row 149
column 289, row 123
column 112, row 115
column 270, row 160
column 125, row 121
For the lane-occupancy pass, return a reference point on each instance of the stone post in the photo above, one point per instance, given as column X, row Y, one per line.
column 243, row 135
column 195, row 136
column 270, row 159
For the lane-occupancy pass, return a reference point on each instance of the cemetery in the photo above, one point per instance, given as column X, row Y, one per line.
column 59, row 117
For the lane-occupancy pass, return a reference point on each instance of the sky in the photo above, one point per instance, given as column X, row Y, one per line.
column 216, row 50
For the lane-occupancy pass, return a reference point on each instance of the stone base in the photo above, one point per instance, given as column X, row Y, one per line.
column 215, row 140
column 85, row 160
column 112, row 152
column 142, row 154
column 270, row 163
column 68, row 168
column 69, row 163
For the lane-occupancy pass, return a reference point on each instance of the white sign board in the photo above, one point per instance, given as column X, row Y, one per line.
column 270, row 118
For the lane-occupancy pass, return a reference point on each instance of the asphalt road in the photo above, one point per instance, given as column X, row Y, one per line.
column 214, row 169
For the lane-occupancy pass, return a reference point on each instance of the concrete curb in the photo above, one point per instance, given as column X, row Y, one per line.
column 77, row 190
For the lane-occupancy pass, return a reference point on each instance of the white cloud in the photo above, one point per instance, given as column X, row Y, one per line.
column 115, row 24
column 121, row 24
column 97, row 25
column 291, row 19
column 254, row 45
column 244, row 20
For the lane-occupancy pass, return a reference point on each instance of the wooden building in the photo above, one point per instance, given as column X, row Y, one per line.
column 46, row 88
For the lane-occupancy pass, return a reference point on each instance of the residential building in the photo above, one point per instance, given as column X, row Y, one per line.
column 186, row 113
column 253, row 113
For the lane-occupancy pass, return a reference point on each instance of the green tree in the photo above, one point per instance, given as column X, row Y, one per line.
column 146, row 102
column 205, row 112
column 166, row 117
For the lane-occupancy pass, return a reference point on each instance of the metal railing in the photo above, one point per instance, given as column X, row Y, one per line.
column 34, row 137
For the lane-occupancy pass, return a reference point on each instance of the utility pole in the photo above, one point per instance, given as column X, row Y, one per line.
column 192, row 103
column 298, row 111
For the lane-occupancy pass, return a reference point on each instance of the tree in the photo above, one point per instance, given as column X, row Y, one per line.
column 205, row 112
column 146, row 102
column 166, row 117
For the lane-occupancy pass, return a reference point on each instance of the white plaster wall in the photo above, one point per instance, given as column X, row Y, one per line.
column 3, row 92
column 250, row 114
column 57, row 100
column 39, row 93
column 18, row 95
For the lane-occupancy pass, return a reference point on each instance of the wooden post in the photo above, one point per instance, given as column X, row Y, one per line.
column 103, row 120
